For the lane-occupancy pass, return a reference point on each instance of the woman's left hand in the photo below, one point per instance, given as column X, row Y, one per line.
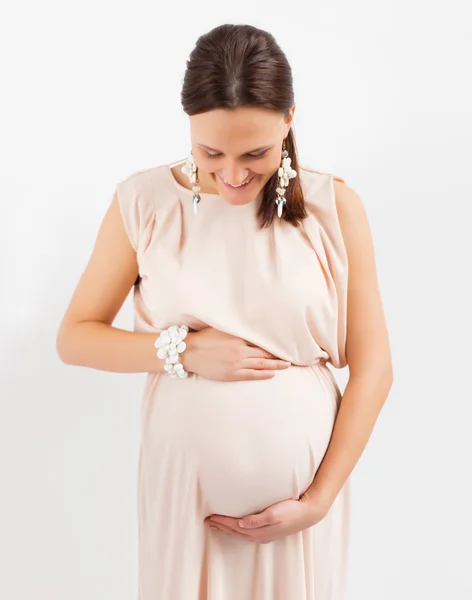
column 275, row 522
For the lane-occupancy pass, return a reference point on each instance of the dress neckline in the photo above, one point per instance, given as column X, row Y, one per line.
column 184, row 189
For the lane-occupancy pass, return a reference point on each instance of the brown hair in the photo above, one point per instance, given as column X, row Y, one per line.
column 240, row 65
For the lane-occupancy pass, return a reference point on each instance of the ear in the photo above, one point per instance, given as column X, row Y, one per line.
column 290, row 119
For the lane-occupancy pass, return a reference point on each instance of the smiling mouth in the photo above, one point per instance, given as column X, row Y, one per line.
column 236, row 187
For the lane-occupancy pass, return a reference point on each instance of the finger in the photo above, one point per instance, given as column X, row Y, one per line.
column 228, row 531
column 252, row 374
column 260, row 521
column 264, row 363
column 216, row 519
column 259, row 352
column 231, row 522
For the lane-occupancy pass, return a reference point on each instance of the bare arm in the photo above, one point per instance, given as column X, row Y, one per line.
column 86, row 336
column 367, row 351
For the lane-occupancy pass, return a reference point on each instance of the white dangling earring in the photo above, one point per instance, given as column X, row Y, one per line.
column 191, row 170
column 285, row 173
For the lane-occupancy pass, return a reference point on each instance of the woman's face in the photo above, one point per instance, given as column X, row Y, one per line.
column 240, row 145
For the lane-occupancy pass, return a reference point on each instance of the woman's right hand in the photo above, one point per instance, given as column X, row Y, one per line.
column 220, row 356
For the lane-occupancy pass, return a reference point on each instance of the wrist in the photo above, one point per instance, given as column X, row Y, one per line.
column 170, row 346
column 187, row 358
column 319, row 497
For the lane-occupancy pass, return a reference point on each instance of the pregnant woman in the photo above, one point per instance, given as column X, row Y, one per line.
column 238, row 258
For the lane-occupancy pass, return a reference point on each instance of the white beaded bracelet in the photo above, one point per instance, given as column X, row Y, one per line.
column 170, row 344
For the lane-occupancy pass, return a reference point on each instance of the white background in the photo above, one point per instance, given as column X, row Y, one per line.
column 90, row 94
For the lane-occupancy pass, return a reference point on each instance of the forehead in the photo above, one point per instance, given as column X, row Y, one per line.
column 241, row 127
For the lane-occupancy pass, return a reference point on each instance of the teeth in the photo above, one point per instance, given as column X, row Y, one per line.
column 236, row 186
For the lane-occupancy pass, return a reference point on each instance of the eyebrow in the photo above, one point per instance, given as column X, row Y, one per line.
column 250, row 151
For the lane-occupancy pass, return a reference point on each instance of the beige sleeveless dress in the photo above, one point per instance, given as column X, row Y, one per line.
column 235, row 448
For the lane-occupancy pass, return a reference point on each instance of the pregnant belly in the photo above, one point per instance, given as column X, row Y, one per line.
column 249, row 443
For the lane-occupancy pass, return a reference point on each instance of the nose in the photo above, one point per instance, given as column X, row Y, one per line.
column 234, row 174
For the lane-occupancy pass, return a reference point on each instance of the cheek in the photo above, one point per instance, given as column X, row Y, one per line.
column 208, row 164
column 272, row 166
column 266, row 167
column 275, row 162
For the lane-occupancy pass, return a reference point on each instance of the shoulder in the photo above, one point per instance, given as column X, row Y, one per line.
column 347, row 202
column 138, row 195
column 339, row 207
column 142, row 178
column 352, row 216
column 143, row 190
column 357, row 235
column 317, row 185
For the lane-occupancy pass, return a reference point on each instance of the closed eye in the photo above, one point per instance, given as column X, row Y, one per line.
column 255, row 156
